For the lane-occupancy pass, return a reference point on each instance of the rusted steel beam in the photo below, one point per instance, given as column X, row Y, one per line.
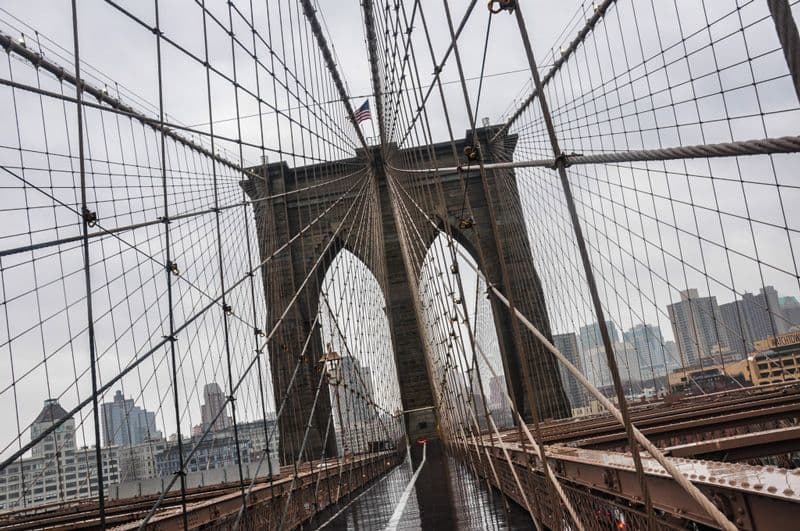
column 80, row 514
column 753, row 497
column 603, row 485
column 742, row 447
column 663, row 413
column 701, row 424
column 220, row 503
column 313, row 491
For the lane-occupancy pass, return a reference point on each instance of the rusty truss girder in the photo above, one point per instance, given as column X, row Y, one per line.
column 317, row 486
column 591, row 461
column 693, row 416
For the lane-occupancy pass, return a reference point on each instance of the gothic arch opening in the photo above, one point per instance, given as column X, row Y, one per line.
column 358, row 358
column 461, row 333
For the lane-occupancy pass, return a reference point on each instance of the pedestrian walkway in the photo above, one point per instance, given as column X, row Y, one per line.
column 430, row 491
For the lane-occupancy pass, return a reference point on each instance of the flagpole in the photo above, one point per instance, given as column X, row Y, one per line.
column 358, row 119
column 371, row 123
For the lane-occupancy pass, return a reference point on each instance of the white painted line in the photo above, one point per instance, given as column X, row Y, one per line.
column 401, row 505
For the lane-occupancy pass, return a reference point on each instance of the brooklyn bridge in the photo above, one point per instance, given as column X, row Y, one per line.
column 400, row 264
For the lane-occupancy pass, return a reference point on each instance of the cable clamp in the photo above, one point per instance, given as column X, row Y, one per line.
column 466, row 223
column 258, row 332
column 89, row 217
column 496, row 6
column 231, row 398
column 559, row 162
column 180, row 472
column 472, row 153
column 172, row 267
column 563, row 160
column 227, row 308
column 171, row 339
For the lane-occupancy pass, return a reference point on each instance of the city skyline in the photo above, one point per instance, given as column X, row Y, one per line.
column 617, row 330
column 643, row 351
column 59, row 470
column 126, row 424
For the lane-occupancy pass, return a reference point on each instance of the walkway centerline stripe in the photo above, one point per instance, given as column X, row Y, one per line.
column 401, row 504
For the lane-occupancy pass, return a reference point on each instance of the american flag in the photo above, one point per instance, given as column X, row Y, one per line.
column 363, row 112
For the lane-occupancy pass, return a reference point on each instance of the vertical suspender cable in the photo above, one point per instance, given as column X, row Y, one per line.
column 88, row 217
column 169, row 271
